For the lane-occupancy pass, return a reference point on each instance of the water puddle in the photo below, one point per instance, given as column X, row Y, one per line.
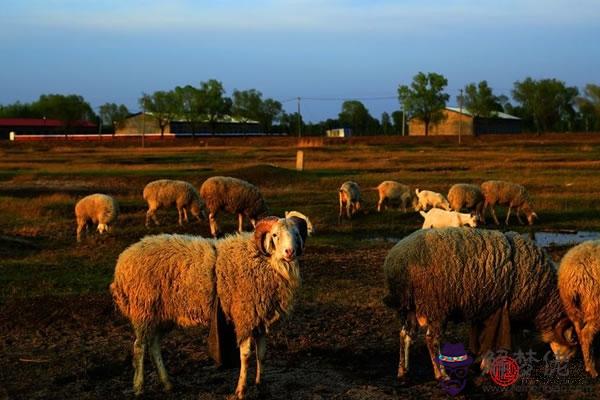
column 563, row 238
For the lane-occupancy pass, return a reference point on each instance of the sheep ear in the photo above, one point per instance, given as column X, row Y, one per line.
column 302, row 227
column 263, row 227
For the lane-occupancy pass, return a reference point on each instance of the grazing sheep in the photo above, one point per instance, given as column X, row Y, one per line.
column 510, row 194
column 427, row 198
column 435, row 275
column 98, row 209
column 309, row 226
column 394, row 193
column 579, row 286
column 234, row 196
column 436, row 218
column 464, row 195
column 349, row 196
column 250, row 279
column 167, row 192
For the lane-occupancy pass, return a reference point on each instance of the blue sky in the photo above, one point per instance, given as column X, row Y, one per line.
column 112, row 51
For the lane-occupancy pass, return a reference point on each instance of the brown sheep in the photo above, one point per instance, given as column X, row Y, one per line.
column 249, row 280
column 166, row 193
column 510, row 194
column 394, row 193
column 98, row 209
column 433, row 275
column 234, row 196
column 579, row 285
column 464, row 195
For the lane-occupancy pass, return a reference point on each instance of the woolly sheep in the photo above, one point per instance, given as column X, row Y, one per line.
column 464, row 195
column 427, row 198
column 98, row 209
column 436, row 218
column 249, row 279
column 350, row 199
column 167, row 192
column 435, row 274
column 234, row 196
column 510, row 194
column 579, row 286
column 394, row 193
column 309, row 226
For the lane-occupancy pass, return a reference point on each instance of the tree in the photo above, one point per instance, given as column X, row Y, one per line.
column 356, row 116
column 289, row 122
column 213, row 104
column 18, row 110
column 249, row 105
column 589, row 107
column 547, row 103
column 162, row 105
column 386, row 124
column 425, row 98
column 480, row 100
column 112, row 114
column 188, row 105
column 69, row 109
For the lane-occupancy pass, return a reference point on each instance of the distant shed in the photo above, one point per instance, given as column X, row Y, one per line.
column 339, row 132
column 40, row 128
column 455, row 121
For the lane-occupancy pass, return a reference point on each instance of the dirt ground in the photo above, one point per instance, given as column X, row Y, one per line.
column 345, row 348
column 62, row 338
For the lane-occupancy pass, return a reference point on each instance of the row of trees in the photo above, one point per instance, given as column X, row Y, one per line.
column 544, row 105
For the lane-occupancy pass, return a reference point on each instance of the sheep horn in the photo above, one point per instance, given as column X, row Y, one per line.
column 262, row 228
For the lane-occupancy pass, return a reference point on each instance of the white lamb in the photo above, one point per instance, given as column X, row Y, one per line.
column 428, row 198
column 436, row 218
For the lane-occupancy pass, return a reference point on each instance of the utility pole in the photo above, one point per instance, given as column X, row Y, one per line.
column 460, row 103
column 299, row 120
column 403, row 120
column 143, row 126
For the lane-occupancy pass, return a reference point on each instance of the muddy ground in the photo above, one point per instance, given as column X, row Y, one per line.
column 79, row 347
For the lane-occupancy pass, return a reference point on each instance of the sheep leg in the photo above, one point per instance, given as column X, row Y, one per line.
column 586, row 337
column 80, row 225
column 240, row 391
column 403, row 364
column 180, row 219
column 494, row 215
column 519, row 216
column 508, row 215
column 240, row 223
column 139, row 348
column 185, row 216
column 260, row 344
column 349, row 209
column 158, row 361
column 341, row 209
column 432, row 338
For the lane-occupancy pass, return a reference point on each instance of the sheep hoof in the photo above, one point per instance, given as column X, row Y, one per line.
column 240, row 393
column 168, row 386
column 593, row 373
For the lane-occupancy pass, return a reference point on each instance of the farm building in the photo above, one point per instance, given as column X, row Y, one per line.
column 147, row 123
column 339, row 132
column 455, row 121
column 32, row 128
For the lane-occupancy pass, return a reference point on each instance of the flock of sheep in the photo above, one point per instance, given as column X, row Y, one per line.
column 240, row 285
column 444, row 212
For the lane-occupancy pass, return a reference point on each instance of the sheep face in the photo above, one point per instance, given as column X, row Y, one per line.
column 472, row 221
column 281, row 238
column 102, row 228
column 562, row 340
